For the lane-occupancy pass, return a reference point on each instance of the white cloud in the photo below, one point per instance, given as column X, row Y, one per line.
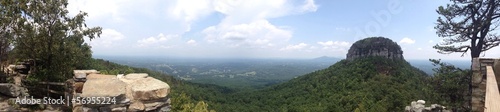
column 342, row 29
column 257, row 33
column 312, row 47
column 191, row 42
column 245, row 21
column 309, row 6
column 107, row 39
column 96, row 8
column 155, row 41
column 165, row 47
column 188, row 11
column 407, row 40
column 419, row 48
column 431, row 41
column 295, row 47
column 335, row 45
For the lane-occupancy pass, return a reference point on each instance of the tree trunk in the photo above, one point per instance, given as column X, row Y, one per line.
column 475, row 53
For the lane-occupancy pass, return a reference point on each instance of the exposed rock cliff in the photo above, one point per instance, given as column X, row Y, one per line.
column 375, row 46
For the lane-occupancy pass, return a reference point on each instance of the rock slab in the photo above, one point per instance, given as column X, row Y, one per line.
column 105, row 87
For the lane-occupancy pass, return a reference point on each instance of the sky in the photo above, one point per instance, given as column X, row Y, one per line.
column 260, row 28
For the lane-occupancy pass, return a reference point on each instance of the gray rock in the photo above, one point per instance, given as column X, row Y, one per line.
column 85, row 71
column 13, row 90
column 80, row 75
column 136, row 106
column 88, row 109
column 153, row 105
column 418, row 106
column 104, row 109
column 421, row 102
column 119, row 109
column 165, row 109
column 375, row 46
column 407, row 109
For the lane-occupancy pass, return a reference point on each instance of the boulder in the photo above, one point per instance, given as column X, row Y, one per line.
column 407, row 109
column 133, row 92
column 100, row 76
column 153, row 105
column 136, row 75
column 104, row 87
column 165, row 109
column 421, row 102
column 148, row 89
column 136, row 106
column 11, row 67
column 13, row 90
column 418, row 106
column 78, row 87
column 87, row 109
column 119, row 109
column 80, row 75
column 104, row 109
column 20, row 67
column 119, row 76
column 85, row 71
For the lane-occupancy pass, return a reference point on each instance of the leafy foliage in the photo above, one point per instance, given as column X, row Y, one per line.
column 451, row 85
column 468, row 21
column 44, row 32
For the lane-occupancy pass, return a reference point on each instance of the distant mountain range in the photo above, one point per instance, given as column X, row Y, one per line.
column 426, row 65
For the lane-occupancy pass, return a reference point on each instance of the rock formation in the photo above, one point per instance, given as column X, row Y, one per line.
column 419, row 106
column 375, row 46
column 132, row 92
column 13, row 90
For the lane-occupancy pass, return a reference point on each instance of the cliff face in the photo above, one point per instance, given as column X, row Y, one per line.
column 375, row 46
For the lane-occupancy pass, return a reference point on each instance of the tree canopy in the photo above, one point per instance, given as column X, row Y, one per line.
column 468, row 21
column 44, row 31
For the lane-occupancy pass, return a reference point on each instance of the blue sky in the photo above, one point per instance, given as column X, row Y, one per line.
column 260, row 28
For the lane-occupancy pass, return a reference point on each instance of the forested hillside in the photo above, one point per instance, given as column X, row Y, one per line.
column 365, row 84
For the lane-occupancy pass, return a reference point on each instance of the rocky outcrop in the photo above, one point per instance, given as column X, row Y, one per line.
column 419, row 106
column 132, row 92
column 13, row 90
column 81, row 75
column 375, row 46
